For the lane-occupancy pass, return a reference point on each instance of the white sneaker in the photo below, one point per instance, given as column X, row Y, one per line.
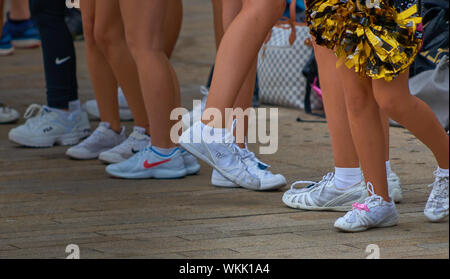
column 269, row 181
column 137, row 141
column 46, row 127
column 190, row 162
column 101, row 140
column 7, row 114
column 91, row 108
column 188, row 118
column 324, row 195
column 437, row 206
column 224, row 157
column 375, row 212
column 149, row 164
column 394, row 187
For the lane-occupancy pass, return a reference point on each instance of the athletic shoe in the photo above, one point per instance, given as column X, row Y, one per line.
column 6, row 47
column 375, row 212
column 46, row 127
column 395, row 189
column 101, row 140
column 224, row 156
column 7, row 114
column 188, row 118
column 137, row 141
column 24, row 35
column 269, row 181
column 324, row 195
column 91, row 108
column 150, row 164
column 437, row 206
column 190, row 162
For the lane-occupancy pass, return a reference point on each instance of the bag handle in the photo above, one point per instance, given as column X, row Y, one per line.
column 292, row 22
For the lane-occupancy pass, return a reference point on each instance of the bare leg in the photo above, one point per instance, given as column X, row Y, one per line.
column 144, row 29
column 110, row 38
column 218, row 22
column 238, row 51
column 344, row 151
column 172, row 25
column 231, row 9
column 102, row 77
column 345, row 155
column 395, row 100
column 20, row 10
column 366, row 128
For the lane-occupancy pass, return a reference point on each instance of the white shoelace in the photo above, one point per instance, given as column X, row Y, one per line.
column 313, row 184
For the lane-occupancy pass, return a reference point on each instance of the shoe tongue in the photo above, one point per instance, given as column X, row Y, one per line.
column 103, row 126
column 139, row 130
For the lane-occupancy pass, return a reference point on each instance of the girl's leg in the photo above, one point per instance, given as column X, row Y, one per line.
column 238, row 51
column 102, row 76
column 395, row 100
column 144, row 29
column 344, row 152
column 172, row 25
column 366, row 128
column 231, row 9
column 218, row 21
column 110, row 38
column 20, row 10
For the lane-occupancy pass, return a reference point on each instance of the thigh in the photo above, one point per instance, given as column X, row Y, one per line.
column 108, row 19
column 392, row 91
column 144, row 22
column 88, row 17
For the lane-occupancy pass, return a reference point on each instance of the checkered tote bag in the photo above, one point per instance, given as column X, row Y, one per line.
column 280, row 66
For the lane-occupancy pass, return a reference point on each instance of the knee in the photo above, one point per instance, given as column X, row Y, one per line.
column 268, row 9
column 389, row 104
column 105, row 38
column 357, row 102
column 142, row 46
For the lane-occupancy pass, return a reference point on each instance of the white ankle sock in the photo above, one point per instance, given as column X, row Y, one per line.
column 388, row 168
column 345, row 178
column 443, row 172
column 216, row 135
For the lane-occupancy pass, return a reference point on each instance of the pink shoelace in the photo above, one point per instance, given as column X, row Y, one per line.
column 359, row 206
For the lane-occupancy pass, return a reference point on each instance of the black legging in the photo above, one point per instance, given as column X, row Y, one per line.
column 58, row 52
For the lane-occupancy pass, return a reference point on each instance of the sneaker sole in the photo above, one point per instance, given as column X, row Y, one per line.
column 193, row 170
column 389, row 224
column 205, row 159
column 160, row 174
column 6, row 52
column 27, row 43
column 48, row 142
column 344, row 208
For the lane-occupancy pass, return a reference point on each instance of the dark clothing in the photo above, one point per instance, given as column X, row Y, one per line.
column 58, row 52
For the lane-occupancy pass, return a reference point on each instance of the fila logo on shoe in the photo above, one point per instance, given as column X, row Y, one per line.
column 148, row 165
column 48, row 129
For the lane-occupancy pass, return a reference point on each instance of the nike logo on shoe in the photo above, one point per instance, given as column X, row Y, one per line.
column 147, row 165
column 62, row 61
column 134, row 151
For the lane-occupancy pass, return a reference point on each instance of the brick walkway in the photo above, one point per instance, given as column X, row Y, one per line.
column 48, row 201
